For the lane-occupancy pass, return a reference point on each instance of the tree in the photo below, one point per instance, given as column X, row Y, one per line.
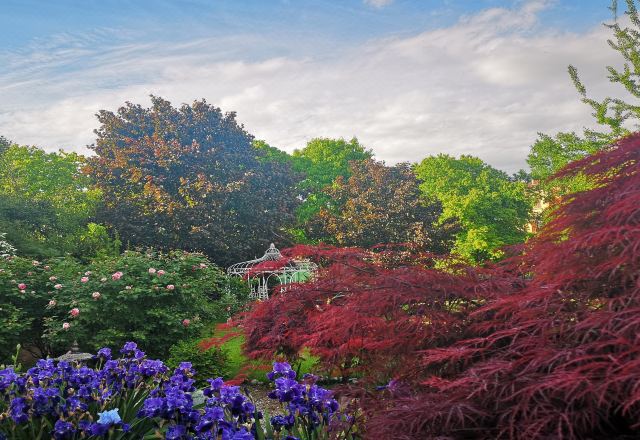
column 46, row 200
column 541, row 345
column 556, row 354
column 380, row 204
column 492, row 210
column 549, row 154
column 4, row 144
column 321, row 162
column 189, row 178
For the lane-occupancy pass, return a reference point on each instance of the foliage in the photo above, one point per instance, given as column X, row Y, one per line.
column 364, row 314
column 491, row 209
column 24, row 284
column 212, row 362
column 184, row 177
column 549, row 154
column 614, row 113
column 46, row 205
column 557, row 354
column 53, row 177
column 4, row 144
column 380, row 204
column 158, row 298
column 136, row 397
column 321, row 162
column 6, row 248
column 543, row 345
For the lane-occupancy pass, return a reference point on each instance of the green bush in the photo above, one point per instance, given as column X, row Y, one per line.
column 154, row 298
column 210, row 363
column 24, row 298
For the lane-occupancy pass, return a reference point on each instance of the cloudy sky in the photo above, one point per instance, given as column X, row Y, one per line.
column 409, row 78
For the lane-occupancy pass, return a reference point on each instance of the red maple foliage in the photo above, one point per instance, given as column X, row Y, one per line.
column 543, row 345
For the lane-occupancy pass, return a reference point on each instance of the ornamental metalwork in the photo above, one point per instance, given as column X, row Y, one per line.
column 262, row 278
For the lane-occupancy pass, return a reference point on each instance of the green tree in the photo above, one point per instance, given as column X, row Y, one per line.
column 321, row 162
column 381, row 204
column 491, row 209
column 189, row 178
column 4, row 144
column 615, row 115
column 45, row 200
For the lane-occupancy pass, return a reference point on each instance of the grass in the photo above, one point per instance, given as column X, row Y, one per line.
column 230, row 340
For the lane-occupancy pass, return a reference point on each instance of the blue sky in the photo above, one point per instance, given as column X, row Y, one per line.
column 409, row 78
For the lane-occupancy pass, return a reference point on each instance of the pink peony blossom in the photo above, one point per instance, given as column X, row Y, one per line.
column 47, row 268
column 202, row 265
column 75, row 312
column 116, row 276
column 87, row 273
column 161, row 272
column 53, row 278
column 58, row 286
column 52, row 303
column 186, row 322
column 84, row 279
column 22, row 286
column 29, row 273
column 95, row 295
column 152, row 270
column 170, row 287
column 66, row 325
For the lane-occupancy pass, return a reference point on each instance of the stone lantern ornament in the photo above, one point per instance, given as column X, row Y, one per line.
column 74, row 354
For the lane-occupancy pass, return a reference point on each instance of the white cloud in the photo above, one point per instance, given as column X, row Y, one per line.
column 484, row 86
column 378, row 3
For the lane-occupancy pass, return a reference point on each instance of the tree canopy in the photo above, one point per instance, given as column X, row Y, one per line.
column 616, row 115
column 380, row 204
column 46, row 200
column 321, row 162
column 492, row 210
column 189, row 178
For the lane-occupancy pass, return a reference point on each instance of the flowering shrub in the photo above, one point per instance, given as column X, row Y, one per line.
column 158, row 299
column 134, row 396
column 6, row 248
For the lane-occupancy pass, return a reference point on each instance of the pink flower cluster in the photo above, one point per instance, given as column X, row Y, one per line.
column 116, row 276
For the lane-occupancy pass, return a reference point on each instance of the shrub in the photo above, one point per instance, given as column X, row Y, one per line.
column 157, row 298
column 24, row 298
column 210, row 362
column 543, row 345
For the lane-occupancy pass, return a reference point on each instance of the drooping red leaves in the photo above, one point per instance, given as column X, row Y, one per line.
column 543, row 345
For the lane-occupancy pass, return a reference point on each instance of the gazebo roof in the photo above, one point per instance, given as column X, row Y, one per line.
column 272, row 254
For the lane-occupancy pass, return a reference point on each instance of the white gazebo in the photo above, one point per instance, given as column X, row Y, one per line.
column 261, row 275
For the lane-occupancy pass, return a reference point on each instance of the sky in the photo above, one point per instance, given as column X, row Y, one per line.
column 408, row 78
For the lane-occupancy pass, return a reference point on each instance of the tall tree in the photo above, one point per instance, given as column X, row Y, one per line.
column 492, row 210
column 616, row 115
column 544, row 345
column 380, row 204
column 189, row 177
column 321, row 162
column 45, row 200
column 4, row 144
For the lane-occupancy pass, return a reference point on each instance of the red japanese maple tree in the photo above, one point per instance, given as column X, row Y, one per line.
column 543, row 345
